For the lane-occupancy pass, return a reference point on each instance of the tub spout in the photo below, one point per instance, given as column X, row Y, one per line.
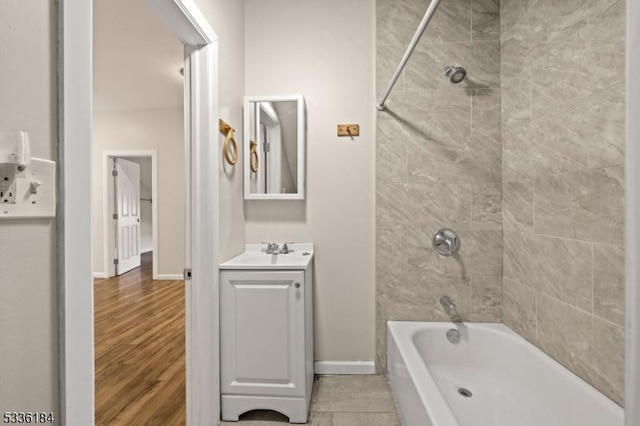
column 449, row 306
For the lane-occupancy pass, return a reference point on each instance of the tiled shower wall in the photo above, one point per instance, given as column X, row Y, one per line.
column 438, row 164
column 562, row 71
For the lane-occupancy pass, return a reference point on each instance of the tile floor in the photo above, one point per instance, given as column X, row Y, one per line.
column 339, row 401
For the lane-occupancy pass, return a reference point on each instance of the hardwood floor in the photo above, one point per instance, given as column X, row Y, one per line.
column 139, row 349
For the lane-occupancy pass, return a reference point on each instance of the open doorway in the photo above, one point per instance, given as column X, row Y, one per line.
column 201, row 162
column 130, row 230
column 139, row 192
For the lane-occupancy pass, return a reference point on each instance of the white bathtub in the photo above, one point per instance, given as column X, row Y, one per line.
column 513, row 382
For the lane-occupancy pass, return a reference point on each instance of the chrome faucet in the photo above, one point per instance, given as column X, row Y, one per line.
column 449, row 306
column 274, row 248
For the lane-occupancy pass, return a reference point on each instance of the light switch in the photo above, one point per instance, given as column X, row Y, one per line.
column 34, row 186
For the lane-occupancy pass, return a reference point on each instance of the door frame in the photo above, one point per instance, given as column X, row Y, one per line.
column 75, row 275
column 108, row 236
column 272, row 160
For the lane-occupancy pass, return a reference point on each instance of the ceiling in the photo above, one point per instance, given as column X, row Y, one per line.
column 136, row 60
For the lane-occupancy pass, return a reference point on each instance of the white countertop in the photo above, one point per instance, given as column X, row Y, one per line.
column 255, row 257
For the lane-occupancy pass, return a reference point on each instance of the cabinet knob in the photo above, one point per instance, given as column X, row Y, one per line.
column 297, row 285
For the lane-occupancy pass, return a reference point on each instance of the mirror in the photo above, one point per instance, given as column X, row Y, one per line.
column 274, row 147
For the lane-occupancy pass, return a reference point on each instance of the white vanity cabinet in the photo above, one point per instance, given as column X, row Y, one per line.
column 266, row 331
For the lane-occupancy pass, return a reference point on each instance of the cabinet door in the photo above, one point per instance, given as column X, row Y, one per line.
column 262, row 333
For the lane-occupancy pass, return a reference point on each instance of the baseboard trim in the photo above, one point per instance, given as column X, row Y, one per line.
column 345, row 367
column 172, row 277
column 99, row 275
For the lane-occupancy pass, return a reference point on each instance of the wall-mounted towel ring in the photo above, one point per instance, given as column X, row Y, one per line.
column 254, row 162
column 230, row 148
column 229, row 141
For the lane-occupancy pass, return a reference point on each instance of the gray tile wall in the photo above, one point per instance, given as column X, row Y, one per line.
column 562, row 71
column 439, row 157
column 534, row 140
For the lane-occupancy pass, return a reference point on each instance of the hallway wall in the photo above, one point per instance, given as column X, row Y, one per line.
column 162, row 130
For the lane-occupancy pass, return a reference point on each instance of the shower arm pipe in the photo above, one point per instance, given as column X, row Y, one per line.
column 431, row 10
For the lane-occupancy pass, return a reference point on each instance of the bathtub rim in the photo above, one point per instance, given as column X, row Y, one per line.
column 429, row 393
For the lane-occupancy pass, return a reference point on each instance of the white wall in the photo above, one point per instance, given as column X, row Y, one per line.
column 136, row 58
column 324, row 50
column 227, row 19
column 160, row 129
column 28, row 285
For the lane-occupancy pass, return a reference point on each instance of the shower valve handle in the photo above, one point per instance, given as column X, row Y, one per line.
column 446, row 242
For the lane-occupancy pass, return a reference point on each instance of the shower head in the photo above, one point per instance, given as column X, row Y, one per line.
column 455, row 74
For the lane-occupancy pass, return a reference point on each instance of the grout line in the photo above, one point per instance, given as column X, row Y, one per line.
column 440, row 42
column 533, row 205
column 535, row 317
column 608, row 321
column 471, row 99
column 524, row 15
column 405, row 267
column 406, row 163
column 471, row 20
column 530, row 96
column 471, row 207
column 577, row 308
column 593, row 282
column 538, row 234
column 471, row 298
column 584, row 169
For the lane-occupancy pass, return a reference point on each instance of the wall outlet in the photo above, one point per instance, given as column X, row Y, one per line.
column 7, row 190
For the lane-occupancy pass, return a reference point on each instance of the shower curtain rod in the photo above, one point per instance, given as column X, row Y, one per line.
column 431, row 10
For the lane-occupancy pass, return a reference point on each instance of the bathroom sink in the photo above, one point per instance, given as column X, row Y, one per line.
column 255, row 257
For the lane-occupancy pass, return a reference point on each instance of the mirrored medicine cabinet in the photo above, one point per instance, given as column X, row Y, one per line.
column 274, row 147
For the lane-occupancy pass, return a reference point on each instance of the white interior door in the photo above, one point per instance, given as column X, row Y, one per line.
column 127, row 187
